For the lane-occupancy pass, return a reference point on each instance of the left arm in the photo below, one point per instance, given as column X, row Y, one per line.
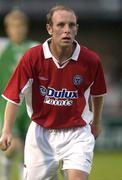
column 97, row 108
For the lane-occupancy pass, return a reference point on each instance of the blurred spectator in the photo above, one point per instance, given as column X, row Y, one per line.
column 11, row 49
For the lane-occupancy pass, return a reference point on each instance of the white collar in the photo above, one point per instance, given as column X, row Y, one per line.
column 48, row 54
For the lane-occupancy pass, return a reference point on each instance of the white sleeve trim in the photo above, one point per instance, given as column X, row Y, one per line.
column 9, row 100
column 99, row 95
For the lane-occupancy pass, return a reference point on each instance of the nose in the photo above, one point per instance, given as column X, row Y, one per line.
column 67, row 28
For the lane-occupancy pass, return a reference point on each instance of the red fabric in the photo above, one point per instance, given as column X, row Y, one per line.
column 64, row 101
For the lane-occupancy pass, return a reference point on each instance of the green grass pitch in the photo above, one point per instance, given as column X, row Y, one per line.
column 106, row 166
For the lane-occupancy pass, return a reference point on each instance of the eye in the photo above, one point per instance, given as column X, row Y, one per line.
column 60, row 24
column 71, row 25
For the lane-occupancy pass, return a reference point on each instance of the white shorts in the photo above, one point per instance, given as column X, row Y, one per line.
column 44, row 148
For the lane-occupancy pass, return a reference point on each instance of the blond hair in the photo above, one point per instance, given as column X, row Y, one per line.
column 56, row 8
column 15, row 15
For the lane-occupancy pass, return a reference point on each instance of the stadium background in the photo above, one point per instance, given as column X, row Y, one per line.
column 101, row 30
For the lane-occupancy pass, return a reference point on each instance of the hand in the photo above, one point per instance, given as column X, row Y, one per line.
column 95, row 129
column 5, row 141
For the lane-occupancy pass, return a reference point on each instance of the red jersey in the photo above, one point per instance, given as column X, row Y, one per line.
column 57, row 96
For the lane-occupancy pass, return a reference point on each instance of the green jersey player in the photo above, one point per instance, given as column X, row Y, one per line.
column 11, row 49
column 9, row 58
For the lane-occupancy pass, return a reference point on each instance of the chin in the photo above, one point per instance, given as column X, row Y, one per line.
column 66, row 44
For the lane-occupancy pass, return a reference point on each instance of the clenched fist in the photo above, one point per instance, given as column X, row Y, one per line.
column 5, row 141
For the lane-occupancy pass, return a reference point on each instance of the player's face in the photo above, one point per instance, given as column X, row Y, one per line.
column 63, row 29
column 17, row 31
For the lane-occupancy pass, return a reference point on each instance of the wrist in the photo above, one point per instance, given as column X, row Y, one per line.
column 6, row 131
column 96, row 122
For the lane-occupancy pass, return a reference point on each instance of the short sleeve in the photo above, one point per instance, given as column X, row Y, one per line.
column 98, row 87
column 20, row 81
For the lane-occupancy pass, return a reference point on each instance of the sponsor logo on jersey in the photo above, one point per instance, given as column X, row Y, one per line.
column 58, row 102
column 62, row 97
column 77, row 80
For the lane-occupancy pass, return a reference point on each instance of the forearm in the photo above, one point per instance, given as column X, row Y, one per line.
column 97, row 108
column 9, row 117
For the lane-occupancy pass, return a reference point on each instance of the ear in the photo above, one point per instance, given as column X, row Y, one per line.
column 77, row 29
column 49, row 29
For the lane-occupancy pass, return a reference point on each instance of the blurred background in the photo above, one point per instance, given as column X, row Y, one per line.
column 100, row 29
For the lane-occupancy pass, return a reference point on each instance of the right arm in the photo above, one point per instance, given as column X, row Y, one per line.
column 9, row 118
column 14, row 91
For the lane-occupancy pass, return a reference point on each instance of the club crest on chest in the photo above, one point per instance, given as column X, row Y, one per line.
column 77, row 80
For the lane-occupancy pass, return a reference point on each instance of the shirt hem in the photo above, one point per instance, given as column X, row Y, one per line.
column 9, row 100
column 98, row 95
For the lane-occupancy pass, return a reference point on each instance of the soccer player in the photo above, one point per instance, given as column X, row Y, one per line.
column 56, row 79
column 12, row 48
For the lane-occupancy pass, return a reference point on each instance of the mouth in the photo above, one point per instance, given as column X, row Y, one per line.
column 66, row 39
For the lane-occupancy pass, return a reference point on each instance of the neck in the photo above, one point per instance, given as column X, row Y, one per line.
column 61, row 53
